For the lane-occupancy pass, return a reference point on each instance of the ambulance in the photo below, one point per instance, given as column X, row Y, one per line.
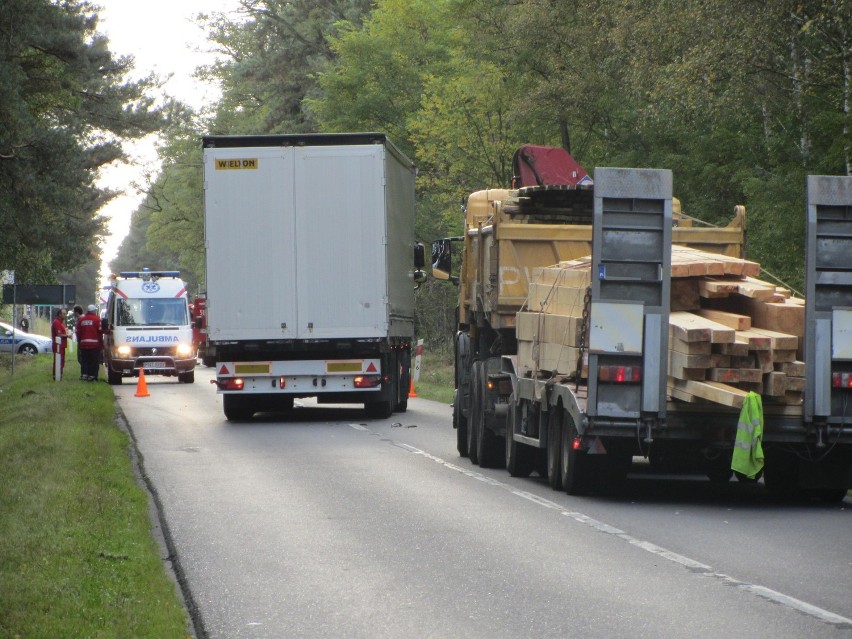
column 147, row 324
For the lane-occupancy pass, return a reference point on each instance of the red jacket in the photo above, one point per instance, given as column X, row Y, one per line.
column 57, row 329
column 89, row 333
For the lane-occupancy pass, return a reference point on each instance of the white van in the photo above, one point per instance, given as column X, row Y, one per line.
column 147, row 324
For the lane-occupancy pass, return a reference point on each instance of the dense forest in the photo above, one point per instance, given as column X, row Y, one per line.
column 740, row 99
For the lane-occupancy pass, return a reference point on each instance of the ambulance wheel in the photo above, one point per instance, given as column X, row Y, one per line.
column 520, row 459
column 237, row 409
column 460, row 424
column 186, row 378
column 113, row 378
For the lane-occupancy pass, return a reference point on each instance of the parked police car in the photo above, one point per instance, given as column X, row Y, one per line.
column 24, row 343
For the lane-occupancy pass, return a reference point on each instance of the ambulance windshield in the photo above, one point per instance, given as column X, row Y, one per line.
column 151, row 312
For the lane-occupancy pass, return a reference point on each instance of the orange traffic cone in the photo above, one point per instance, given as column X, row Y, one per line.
column 142, row 385
column 411, row 392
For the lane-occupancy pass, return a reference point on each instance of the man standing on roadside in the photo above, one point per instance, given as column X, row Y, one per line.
column 90, row 341
column 59, row 337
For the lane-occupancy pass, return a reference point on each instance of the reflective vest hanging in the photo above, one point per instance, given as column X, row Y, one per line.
column 748, row 452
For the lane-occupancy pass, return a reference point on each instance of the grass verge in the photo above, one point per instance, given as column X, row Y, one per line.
column 77, row 557
column 437, row 377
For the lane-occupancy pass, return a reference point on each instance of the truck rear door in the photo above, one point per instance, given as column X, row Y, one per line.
column 341, row 270
column 249, row 231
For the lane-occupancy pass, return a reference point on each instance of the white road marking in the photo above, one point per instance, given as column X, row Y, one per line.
column 691, row 564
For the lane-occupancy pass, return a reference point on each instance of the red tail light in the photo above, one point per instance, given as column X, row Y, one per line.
column 620, row 374
column 367, row 381
column 231, row 383
column 841, row 380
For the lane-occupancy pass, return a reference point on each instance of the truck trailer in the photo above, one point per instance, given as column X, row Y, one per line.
column 570, row 360
column 311, row 270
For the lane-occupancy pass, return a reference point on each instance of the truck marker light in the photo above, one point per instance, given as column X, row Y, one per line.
column 577, row 444
column 282, row 382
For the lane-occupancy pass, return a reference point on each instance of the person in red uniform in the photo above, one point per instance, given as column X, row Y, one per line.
column 90, row 340
column 57, row 330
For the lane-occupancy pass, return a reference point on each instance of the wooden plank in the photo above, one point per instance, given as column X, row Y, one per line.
column 784, row 356
column 684, row 326
column 780, row 341
column 749, row 361
column 684, row 294
column 734, row 375
column 791, row 369
column 718, row 360
column 756, row 291
column 718, row 333
column 733, row 320
column 681, row 360
column 716, row 288
column 765, row 362
column 737, row 349
column 755, row 341
column 689, row 348
column 715, row 392
column 775, row 384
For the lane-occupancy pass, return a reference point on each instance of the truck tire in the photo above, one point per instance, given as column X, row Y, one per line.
column 520, row 459
column 473, row 414
column 576, row 469
column 460, row 424
column 378, row 410
column 489, row 448
column 237, row 409
column 554, row 447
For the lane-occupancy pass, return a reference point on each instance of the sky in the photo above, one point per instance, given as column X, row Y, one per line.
column 163, row 37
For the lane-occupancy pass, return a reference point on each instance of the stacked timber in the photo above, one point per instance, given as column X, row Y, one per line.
column 549, row 333
column 729, row 332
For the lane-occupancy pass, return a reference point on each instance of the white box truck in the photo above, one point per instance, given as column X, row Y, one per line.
column 147, row 325
column 311, row 270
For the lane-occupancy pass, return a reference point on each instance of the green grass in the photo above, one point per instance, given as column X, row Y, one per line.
column 437, row 377
column 77, row 557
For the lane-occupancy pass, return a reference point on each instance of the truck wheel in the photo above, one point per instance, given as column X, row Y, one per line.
column 460, row 424
column 113, row 378
column 475, row 410
column 378, row 410
column 237, row 409
column 554, row 447
column 186, row 378
column 520, row 459
column 575, row 463
column 489, row 448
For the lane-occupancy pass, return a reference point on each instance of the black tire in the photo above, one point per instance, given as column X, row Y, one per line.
column 490, row 450
column 554, row 447
column 575, row 463
column 460, row 424
column 113, row 378
column 473, row 415
column 209, row 362
column 378, row 410
column 237, row 409
column 27, row 349
column 520, row 459
column 187, row 378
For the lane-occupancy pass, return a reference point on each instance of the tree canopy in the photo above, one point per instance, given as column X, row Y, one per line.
column 740, row 99
column 65, row 108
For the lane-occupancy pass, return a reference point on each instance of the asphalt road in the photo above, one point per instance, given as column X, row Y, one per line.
column 322, row 523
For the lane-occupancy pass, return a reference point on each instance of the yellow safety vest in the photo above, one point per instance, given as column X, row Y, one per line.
column 748, row 452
